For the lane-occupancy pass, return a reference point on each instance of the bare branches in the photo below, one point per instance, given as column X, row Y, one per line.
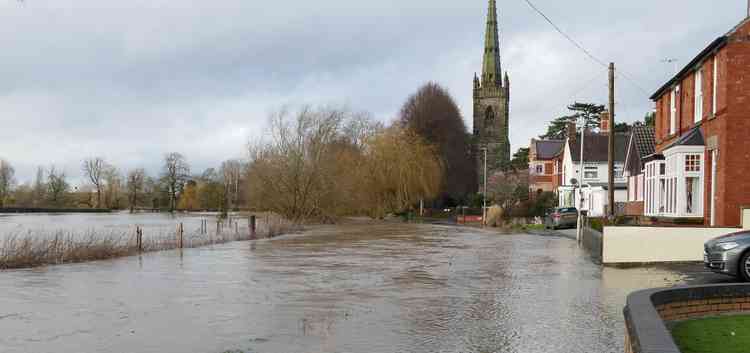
column 176, row 174
column 93, row 169
column 136, row 187
column 7, row 179
column 57, row 186
column 326, row 163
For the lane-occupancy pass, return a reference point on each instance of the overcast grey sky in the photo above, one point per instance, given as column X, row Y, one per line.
column 133, row 80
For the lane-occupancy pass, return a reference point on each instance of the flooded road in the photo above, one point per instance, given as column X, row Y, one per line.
column 351, row 288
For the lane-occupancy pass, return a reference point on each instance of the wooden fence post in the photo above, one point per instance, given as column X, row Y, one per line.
column 181, row 231
column 251, row 224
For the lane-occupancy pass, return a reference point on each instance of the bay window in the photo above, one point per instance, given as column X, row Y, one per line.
column 674, row 186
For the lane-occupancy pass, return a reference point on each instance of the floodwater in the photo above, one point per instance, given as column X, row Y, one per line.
column 116, row 223
column 358, row 287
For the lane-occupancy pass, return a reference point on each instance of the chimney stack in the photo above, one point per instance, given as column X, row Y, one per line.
column 604, row 123
column 571, row 131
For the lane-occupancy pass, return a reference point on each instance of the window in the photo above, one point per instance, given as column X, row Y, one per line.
column 716, row 85
column 692, row 195
column 539, row 169
column 618, row 171
column 673, row 110
column 698, row 96
column 489, row 117
column 591, row 172
column 692, row 163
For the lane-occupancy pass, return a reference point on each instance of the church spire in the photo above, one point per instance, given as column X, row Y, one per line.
column 491, row 72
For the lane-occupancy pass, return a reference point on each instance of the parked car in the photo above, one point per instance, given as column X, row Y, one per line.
column 561, row 217
column 729, row 254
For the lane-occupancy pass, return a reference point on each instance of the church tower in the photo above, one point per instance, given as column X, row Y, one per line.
column 491, row 105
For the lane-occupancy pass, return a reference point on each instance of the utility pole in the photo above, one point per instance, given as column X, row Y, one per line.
column 484, row 194
column 611, row 164
column 579, row 224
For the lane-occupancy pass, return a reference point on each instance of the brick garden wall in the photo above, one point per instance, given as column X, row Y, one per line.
column 648, row 312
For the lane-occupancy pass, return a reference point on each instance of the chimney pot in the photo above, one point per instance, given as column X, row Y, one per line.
column 604, row 124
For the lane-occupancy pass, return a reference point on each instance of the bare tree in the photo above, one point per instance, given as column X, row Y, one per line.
column 40, row 187
column 7, row 180
column 136, row 187
column 231, row 173
column 112, row 187
column 176, row 174
column 57, row 186
column 289, row 171
column 94, row 169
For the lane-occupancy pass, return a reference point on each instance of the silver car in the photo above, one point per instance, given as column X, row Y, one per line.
column 729, row 254
column 564, row 217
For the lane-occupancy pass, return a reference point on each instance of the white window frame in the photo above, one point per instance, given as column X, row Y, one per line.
column 589, row 168
column 653, row 198
column 619, row 171
column 716, row 86
column 673, row 110
column 698, row 106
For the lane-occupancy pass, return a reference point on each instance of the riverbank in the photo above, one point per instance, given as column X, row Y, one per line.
column 42, row 248
column 12, row 210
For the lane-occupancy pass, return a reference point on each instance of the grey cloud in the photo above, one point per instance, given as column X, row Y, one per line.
column 132, row 80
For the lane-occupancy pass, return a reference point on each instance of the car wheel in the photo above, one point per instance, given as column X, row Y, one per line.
column 744, row 270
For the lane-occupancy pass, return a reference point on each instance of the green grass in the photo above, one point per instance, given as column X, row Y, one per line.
column 725, row 334
column 534, row 227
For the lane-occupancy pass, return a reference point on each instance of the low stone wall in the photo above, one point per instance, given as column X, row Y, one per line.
column 648, row 312
column 623, row 245
column 592, row 242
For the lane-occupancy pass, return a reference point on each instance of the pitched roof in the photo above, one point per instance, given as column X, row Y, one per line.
column 548, row 149
column 596, row 148
column 693, row 137
column 644, row 140
column 710, row 49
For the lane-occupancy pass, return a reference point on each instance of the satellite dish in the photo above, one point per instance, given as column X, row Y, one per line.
column 573, row 181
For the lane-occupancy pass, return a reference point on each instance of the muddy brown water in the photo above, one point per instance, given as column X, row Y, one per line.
column 347, row 288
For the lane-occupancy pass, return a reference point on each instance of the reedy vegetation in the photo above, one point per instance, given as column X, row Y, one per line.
column 59, row 247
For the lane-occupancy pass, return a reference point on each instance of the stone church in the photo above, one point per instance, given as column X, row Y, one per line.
column 491, row 105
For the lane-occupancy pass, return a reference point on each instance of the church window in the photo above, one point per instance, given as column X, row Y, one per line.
column 489, row 116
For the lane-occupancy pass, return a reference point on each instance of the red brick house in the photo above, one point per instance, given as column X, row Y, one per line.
column 701, row 168
column 542, row 162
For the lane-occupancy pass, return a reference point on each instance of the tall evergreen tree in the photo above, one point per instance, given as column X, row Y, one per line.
column 557, row 130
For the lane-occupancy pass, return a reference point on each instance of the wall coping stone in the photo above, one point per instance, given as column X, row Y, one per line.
column 647, row 330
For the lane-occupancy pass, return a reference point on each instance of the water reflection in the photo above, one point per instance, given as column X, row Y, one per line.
column 353, row 288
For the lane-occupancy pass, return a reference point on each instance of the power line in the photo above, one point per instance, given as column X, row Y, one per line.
column 582, row 48
column 569, row 38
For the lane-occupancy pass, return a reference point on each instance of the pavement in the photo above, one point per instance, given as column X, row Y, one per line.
column 692, row 273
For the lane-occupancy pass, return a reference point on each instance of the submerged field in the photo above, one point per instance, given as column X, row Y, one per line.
column 30, row 240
